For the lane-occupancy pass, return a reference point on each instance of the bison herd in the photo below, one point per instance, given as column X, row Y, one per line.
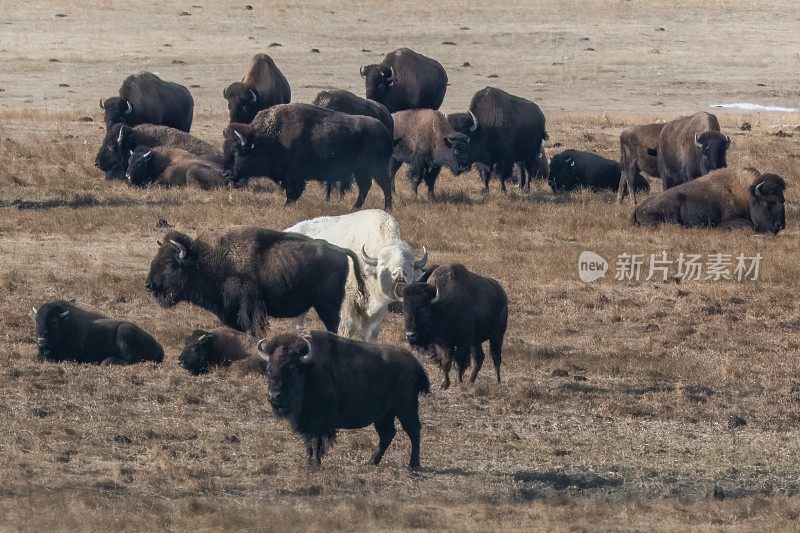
column 352, row 269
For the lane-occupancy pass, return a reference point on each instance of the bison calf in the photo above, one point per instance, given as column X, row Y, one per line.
column 205, row 350
column 725, row 196
column 171, row 167
column 65, row 332
column 322, row 382
column 572, row 169
column 456, row 311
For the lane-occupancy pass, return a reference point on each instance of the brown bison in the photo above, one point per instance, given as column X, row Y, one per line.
column 121, row 140
column 322, row 382
column 638, row 153
column 250, row 274
column 690, row 147
column 457, row 310
column 425, row 141
column 263, row 86
column 65, row 332
column 722, row 197
column 145, row 98
column 204, row 350
column 406, row 80
column 171, row 167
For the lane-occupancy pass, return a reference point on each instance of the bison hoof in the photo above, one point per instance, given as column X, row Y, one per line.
column 414, row 465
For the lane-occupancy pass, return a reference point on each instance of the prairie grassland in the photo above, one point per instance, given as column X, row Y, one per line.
column 615, row 406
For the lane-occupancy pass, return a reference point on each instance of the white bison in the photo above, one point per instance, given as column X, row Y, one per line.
column 386, row 260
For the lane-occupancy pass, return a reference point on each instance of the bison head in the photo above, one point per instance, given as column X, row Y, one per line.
column 419, row 300
column 113, row 155
column 766, row 204
column 713, row 147
column 242, row 102
column 138, row 171
column 50, row 325
column 457, row 157
column 117, row 110
column 394, row 266
column 243, row 153
column 378, row 81
column 465, row 123
column 198, row 353
column 172, row 269
column 288, row 357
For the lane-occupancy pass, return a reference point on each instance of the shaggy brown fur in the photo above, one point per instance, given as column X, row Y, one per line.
column 263, row 86
column 172, row 167
column 638, row 153
column 690, row 147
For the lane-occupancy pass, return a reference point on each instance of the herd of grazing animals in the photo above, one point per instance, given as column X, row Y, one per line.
column 352, row 269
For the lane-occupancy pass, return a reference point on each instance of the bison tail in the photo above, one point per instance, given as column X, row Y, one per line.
column 423, row 383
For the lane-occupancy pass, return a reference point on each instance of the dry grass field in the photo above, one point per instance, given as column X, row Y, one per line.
column 617, row 396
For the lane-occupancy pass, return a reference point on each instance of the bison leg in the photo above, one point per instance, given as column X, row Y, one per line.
column 386, row 182
column 477, row 361
column 486, row 175
column 294, row 189
column 447, row 363
column 386, row 432
column 314, row 447
column 412, row 426
column 363, row 183
column 430, row 175
column 416, row 174
column 394, row 166
column 496, row 348
column 328, row 189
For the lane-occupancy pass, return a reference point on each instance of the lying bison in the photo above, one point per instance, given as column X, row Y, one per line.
column 145, row 98
column 263, row 86
column 322, row 383
column 292, row 143
column 456, row 311
column 65, row 332
column 406, row 80
column 205, row 350
column 121, row 140
column 250, row 274
column 504, row 130
column 425, row 141
column 171, row 167
column 638, row 153
column 573, row 169
column 690, row 147
column 722, row 197
column 387, row 262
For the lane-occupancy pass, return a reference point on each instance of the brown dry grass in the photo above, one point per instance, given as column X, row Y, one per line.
column 640, row 443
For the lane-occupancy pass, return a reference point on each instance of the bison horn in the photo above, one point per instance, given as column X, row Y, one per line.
column 253, row 95
column 371, row 261
column 119, row 137
column 241, row 138
column 129, row 108
column 33, row 312
column 727, row 140
column 102, row 105
column 147, row 154
column 65, row 314
column 391, row 73
column 181, row 249
column 696, row 141
column 363, row 72
column 474, row 121
column 757, row 191
column 422, row 261
column 261, row 352
column 436, row 297
column 398, row 291
column 203, row 337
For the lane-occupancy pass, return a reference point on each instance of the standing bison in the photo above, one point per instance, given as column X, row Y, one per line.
column 120, row 140
column 250, row 274
column 347, row 102
column 638, row 153
column 321, row 383
column 425, row 141
column 65, row 332
column 171, row 167
column 456, row 311
column 145, row 98
column 722, row 197
column 573, row 169
column 387, row 262
column 292, row 143
column 263, row 86
column 503, row 129
column 406, row 80
column 690, row 147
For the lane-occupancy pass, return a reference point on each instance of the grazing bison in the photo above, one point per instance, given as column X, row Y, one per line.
column 121, row 140
column 425, row 141
column 690, row 147
column 386, row 260
column 572, row 169
column 263, row 86
column 406, row 80
column 145, row 98
column 503, row 129
column 638, row 153
column 722, row 197
column 321, row 383
column 171, row 167
column 456, row 311
column 205, row 350
column 250, row 274
column 65, row 332
column 292, row 143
